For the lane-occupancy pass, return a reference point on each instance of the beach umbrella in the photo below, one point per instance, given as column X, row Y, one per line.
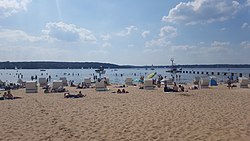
column 151, row 75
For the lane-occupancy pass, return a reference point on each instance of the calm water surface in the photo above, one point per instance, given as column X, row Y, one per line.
column 117, row 76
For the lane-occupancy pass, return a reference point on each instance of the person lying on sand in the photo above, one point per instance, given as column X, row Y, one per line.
column 168, row 89
column 195, row 87
column 79, row 95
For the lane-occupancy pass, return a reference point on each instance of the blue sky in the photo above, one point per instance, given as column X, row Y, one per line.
column 134, row 32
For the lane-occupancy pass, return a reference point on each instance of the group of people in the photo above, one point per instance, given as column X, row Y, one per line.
column 121, row 91
column 175, row 88
column 79, row 95
column 7, row 95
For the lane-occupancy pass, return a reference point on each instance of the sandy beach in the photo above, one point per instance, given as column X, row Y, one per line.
column 208, row 114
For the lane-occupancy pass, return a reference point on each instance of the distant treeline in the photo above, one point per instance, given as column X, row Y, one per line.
column 95, row 65
column 54, row 65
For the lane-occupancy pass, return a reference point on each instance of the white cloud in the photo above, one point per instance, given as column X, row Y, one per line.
column 145, row 33
column 202, row 11
column 106, row 45
column 182, row 47
column 105, row 37
column 160, row 42
column 68, row 32
column 245, row 44
column 245, row 25
column 223, row 29
column 131, row 45
column 10, row 7
column 128, row 31
column 168, row 32
column 218, row 47
column 217, row 44
column 248, row 3
column 17, row 35
column 165, row 34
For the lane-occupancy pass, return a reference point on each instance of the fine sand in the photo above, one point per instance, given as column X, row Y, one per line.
column 208, row 114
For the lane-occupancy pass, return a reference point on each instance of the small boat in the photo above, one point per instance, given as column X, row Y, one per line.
column 100, row 71
column 174, row 69
column 42, row 70
column 152, row 67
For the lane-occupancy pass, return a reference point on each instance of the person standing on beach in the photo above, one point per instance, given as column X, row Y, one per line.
column 229, row 83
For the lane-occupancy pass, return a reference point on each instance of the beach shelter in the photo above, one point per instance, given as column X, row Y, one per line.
column 148, row 84
column 64, row 81
column 204, row 82
column 21, row 82
column 87, row 81
column 213, row 81
column 151, row 75
column 128, row 81
column 42, row 82
column 101, row 86
column 31, row 87
column 56, row 84
column 243, row 82
column 1, row 83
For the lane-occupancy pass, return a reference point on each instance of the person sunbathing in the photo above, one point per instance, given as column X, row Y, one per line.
column 8, row 95
column 119, row 91
column 79, row 95
column 123, row 91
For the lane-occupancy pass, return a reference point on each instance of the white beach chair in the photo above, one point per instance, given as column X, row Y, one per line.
column 87, row 81
column 2, row 83
column 21, row 82
column 243, row 82
column 148, row 84
column 43, row 82
column 128, row 81
column 101, row 86
column 204, row 82
column 31, row 87
column 56, row 84
column 64, row 81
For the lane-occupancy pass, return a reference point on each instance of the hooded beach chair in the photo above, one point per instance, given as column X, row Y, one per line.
column 101, row 86
column 42, row 82
column 31, row 87
column 128, row 81
column 64, row 81
column 243, row 82
column 148, row 84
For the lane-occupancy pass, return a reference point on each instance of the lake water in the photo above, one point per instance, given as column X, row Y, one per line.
column 118, row 76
